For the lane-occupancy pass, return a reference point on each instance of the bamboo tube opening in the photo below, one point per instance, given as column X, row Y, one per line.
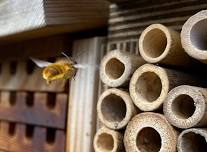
column 194, row 36
column 183, row 106
column 198, row 35
column 114, row 68
column 154, row 43
column 192, row 140
column 148, row 140
column 196, row 141
column 150, row 132
column 117, row 67
column 113, row 108
column 105, row 142
column 161, row 44
column 149, row 86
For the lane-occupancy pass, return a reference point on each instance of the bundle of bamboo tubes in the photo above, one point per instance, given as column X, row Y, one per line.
column 152, row 104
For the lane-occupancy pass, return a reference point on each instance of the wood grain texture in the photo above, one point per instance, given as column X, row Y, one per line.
column 41, row 109
column 128, row 20
column 21, row 138
column 26, row 19
column 83, row 96
column 41, row 48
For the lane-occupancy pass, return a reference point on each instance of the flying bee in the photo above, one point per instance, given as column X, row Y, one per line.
column 62, row 69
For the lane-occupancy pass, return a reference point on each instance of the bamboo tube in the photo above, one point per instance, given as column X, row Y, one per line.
column 118, row 66
column 107, row 140
column 150, row 132
column 192, row 140
column 186, row 106
column 194, row 36
column 150, row 85
column 160, row 44
column 115, row 108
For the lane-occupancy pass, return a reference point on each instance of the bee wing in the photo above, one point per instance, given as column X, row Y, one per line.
column 79, row 66
column 84, row 66
column 40, row 63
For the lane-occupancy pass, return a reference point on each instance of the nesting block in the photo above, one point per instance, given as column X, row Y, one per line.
column 21, row 138
column 34, row 108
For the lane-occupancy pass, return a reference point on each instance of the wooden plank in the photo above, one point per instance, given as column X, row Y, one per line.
column 40, row 48
column 34, row 108
column 27, row 19
column 22, row 138
column 81, row 125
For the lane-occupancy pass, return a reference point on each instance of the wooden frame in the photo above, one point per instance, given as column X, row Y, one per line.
column 84, row 92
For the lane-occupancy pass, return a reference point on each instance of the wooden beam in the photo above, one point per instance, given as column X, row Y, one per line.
column 27, row 19
column 41, row 48
column 81, row 125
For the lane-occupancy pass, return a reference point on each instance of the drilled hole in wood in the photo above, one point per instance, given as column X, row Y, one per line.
column 29, row 131
column 30, row 67
column 128, row 46
column 183, row 106
column 13, row 67
column 114, row 68
column 149, row 86
column 30, row 99
column 148, row 140
column 12, row 98
column 67, row 86
column 12, row 128
column 113, row 108
column 105, row 142
column 113, row 46
column 193, row 142
column 121, row 46
column 51, row 100
column 134, row 47
column 50, row 136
